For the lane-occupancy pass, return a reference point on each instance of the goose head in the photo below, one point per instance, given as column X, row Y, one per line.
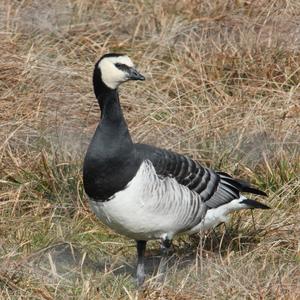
column 114, row 69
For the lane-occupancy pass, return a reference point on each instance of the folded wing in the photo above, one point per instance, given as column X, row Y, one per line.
column 215, row 188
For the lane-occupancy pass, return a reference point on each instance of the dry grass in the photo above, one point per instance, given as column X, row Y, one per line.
column 222, row 86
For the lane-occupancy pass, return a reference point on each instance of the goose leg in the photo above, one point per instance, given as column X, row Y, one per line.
column 165, row 249
column 140, row 271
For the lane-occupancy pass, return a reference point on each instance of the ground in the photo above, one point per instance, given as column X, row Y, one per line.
column 222, row 87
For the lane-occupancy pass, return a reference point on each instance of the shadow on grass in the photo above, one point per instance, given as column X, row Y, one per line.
column 69, row 262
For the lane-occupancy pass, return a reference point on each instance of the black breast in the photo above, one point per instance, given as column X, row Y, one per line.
column 110, row 163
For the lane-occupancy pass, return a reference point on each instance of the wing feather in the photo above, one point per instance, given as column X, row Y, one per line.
column 215, row 188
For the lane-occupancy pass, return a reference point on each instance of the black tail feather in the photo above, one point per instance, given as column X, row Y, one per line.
column 255, row 204
column 254, row 191
column 241, row 185
column 247, row 188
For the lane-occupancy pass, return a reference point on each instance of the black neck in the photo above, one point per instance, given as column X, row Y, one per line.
column 111, row 110
column 110, row 162
column 108, row 100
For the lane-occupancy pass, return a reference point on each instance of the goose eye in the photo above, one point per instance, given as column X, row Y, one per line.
column 122, row 67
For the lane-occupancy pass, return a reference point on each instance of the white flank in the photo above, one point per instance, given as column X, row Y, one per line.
column 150, row 207
column 216, row 216
column 111, row 75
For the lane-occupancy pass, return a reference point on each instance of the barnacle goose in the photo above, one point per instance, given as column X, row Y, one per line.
column 145, row 192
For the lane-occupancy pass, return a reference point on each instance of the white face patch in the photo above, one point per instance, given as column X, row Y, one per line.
column 111, row 75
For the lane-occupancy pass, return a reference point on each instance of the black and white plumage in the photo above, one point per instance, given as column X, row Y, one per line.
column 145, row 192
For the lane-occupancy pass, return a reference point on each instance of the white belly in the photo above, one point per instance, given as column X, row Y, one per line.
column 135, row 222
column 150, row 207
